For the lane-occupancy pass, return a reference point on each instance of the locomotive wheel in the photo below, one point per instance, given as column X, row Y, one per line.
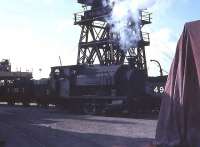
column 11, row 102
column 25, row 104
column 44, row 105
column 133, row 107
column 90, row 108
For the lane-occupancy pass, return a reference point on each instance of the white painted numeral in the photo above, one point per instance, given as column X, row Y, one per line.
column 158, row 89
column 162, row 89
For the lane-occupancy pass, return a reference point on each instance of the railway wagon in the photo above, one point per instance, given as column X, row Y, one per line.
column 15, row 86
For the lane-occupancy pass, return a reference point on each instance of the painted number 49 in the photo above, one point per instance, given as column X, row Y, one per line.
column 158, row 89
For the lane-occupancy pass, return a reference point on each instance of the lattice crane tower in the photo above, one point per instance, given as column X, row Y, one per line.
column 97, row 44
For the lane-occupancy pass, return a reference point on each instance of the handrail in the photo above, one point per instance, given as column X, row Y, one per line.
column 145, row 16
column 145, row 37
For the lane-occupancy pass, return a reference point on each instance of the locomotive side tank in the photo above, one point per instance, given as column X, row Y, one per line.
column 114, row 80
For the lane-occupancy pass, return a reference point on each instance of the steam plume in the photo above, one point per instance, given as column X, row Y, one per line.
column 124, row 20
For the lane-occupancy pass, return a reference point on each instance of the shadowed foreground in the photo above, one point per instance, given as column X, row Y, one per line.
column 31, row 127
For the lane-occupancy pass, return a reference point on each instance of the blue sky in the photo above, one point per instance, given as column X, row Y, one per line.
column 169, row 17
column 34, row 33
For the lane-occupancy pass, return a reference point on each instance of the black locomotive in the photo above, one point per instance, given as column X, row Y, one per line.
column 97, row 87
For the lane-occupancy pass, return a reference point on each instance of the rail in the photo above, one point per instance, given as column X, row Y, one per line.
column 78, row 17
column 89, row 15
column 145, row 17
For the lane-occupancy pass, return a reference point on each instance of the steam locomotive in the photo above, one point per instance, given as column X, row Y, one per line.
column 98, row 87
column 85, row 88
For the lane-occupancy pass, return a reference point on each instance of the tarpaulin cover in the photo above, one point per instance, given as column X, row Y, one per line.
column 179, row 118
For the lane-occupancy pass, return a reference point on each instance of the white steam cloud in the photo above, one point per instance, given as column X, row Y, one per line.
column 125, row 20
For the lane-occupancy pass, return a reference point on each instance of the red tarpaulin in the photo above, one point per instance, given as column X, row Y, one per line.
column 179, row 118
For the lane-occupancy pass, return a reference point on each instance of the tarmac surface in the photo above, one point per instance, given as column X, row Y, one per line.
column 39, row 127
